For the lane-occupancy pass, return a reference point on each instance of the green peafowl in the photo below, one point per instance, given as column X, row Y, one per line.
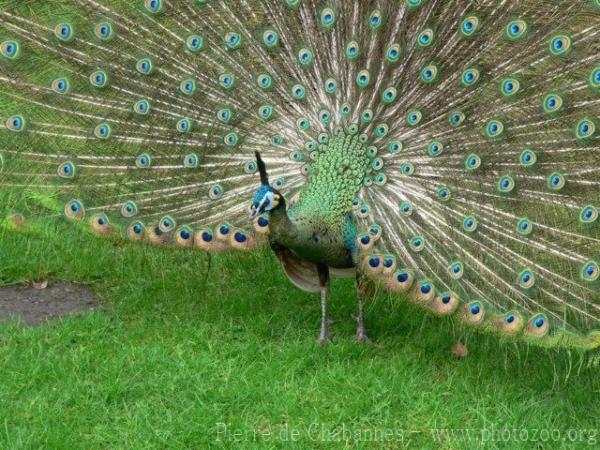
column 447, row 150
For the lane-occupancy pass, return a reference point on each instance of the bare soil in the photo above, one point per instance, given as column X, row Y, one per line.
column 32, row 306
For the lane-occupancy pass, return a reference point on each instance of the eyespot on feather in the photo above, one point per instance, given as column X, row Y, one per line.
column 100, row 224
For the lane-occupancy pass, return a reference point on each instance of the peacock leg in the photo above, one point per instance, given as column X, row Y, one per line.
column 361, row 332
column 324, row 283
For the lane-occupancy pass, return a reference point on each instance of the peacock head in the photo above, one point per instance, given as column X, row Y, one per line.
column 266, row 198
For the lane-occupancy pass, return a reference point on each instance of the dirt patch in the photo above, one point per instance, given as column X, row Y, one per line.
column 33, row 306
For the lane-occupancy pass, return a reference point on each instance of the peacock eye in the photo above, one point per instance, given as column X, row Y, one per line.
column 526, row 279
column 528, row 158
column 376, row 19
column 303, row 124
column 345, row 109
column 231, row 139
column 494, row 128
column 305, row 56
column 270, row 38
column 330, row 85
column 190, row 161
column 187, row 86
column 298, row 92
column 595, row 78
column 556, row 181
column 363, row 78
column 414, row 117
column 417, row 244
column 426, row 37
column 166, row 224
column 226, row 80
column 367, row 116
column 328, row 17
column 586, row 128
column 324, row 116
column 194, row 43
column 470, row 77
column 15, row 123
column 589, row 214
column 408, row 168
column 591, row 271
column 185, row 233
column 524, row 226
column 352, row 50
column 233, row 40
column 104, row 31
column 215, row 192
column 144, row 66
column 393, row 53
column 506, row 184
column 141, row 107
column 402, row 277
column 264, row 80
column 374, row 262
column 560, row 44
column 103, row 131
column 435, row 148
column 456, row 270
column 265, row 112
column 183, row 125
column 66, row 170
column 98, row 79
column 406, row 209
column 154, row 6
column 311, row 146
column 470, row 224
column 443, row 193
column 510, row 87
column 60, row 85
column 240, row 237
column 74, row 210
column 143, row 161
column 473, row 162
column 469, row 26
column 64, row 32
column 429, row 73
column 10, row 49
column 516, row 29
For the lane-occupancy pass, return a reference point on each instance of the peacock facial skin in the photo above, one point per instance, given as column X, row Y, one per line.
column 266, row 199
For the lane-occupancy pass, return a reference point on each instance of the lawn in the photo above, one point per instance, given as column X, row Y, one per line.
column 188, row 352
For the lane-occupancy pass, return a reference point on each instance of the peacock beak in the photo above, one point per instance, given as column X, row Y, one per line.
column 253, row 211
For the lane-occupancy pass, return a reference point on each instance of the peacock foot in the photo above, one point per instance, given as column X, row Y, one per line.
column 324, row 338
column 361, row 334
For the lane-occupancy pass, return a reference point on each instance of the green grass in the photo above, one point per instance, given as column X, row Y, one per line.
column 176, row 351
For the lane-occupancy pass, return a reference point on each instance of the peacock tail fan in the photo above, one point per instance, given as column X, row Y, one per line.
column 478, row 123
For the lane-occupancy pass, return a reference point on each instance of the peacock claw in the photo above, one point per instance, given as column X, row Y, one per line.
column 361, row 336
column 324, row 339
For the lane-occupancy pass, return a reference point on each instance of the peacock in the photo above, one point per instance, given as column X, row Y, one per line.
column 444, row 150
